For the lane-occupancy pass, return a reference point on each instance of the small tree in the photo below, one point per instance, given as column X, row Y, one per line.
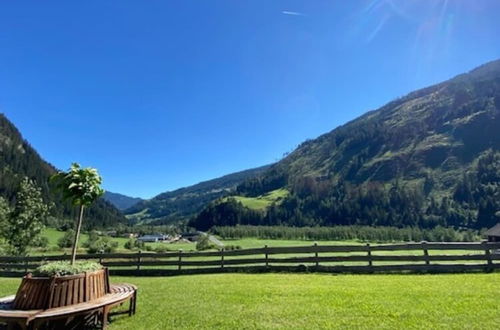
column 81, row 186
column 24, row 222
column 204, row 243
column 133, row 244
column 66, row 241
column 103, row 244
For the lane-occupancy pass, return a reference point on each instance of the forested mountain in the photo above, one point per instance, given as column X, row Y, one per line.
column 429, row 158
column 120, row 201
column 183, row 203
column 18, row 159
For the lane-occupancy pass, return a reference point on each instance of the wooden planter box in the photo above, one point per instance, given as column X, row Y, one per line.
column 58, row 291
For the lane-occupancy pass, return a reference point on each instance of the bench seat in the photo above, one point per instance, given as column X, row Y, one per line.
column 32, row 319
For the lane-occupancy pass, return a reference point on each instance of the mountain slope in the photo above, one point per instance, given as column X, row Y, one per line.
column 402, row 164
column 120, row 201
column 183, row 203
column 18, row 159
column 448, row 122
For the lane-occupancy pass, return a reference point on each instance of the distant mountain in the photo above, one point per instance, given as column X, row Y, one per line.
column 429, row 158
column 120, row 201
column 183, row 203
column 18, row 159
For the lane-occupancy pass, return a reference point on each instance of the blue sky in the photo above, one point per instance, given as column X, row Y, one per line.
column 162, row 94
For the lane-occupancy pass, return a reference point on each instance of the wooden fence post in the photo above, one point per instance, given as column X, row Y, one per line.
column 316, row 254
column 222, row 258
column 139, row 260
column 267, row 256
column 369, row 253
column 180, row 260
column 426, row 253
column 489, row 261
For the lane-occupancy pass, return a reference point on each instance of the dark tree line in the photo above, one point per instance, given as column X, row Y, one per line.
column 338, row 233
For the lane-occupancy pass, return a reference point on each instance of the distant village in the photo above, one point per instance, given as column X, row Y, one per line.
column 187, row 237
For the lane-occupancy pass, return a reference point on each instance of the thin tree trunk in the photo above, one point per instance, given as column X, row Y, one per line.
column 77, row 234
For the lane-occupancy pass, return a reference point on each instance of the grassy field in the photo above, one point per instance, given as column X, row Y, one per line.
column 53, row 235
column 261, row 203
column 246, row 243
column 300, row 301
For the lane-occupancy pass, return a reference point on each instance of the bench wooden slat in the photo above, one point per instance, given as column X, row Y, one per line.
column 119, row 294
column 110, row 299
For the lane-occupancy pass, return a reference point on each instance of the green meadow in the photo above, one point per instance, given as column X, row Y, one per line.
column 310, row 301
column 53, row 235
column 262, row 202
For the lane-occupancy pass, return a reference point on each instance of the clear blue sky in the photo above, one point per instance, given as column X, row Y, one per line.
column 162, row 94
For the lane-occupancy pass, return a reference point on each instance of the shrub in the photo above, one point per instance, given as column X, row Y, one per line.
column 204, row 243
column 41, row 242
column 61, row 268
column 133, row 244
column 161, row 248
column 102, row 245
column 66, row 241
column 93, row 238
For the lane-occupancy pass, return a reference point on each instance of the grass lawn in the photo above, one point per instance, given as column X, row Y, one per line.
column 300, row 301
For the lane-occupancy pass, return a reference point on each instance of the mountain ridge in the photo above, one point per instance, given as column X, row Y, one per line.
column 18, row 159
column 183, row 203
column 121, row 201
column 421, row 146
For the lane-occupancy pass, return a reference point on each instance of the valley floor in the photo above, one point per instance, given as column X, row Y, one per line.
column 300, row 301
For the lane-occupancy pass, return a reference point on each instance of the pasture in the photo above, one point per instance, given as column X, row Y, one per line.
column 246, row 243
column 299, row 301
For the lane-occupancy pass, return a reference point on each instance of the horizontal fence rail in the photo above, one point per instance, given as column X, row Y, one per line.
column 419, row 257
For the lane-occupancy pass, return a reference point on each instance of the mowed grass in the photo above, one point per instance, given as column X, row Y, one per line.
column 302, row 301
column 262, row 202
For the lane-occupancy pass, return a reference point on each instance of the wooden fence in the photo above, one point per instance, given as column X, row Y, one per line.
column 406, row 257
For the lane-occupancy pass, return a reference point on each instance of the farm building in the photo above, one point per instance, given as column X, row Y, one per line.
column 493, row 234
column 153, row 238
column 192, row 236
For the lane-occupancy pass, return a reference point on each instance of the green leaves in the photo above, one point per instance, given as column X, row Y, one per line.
column 81, row 186
column 62, row 268
column 24, row 222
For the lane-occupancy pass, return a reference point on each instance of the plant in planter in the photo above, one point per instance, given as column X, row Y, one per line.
column 59, row 284
column 64, row 268
column 81, row 186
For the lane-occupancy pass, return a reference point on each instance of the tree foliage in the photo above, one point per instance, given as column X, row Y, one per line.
column 18, row 160
column 66, row 241
column 23, row 223
column 81, row 186
column 473, row 203
column 340, row 233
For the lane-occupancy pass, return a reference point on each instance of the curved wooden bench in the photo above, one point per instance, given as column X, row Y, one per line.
column 33, row 319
